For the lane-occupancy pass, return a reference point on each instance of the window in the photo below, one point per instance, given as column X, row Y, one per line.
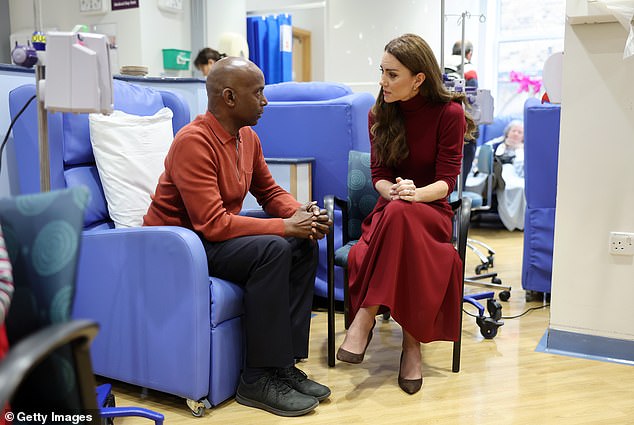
column 526, row 37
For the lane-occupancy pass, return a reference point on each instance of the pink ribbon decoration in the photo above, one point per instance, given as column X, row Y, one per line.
column 526, row 83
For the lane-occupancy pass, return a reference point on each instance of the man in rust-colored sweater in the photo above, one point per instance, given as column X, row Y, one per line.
column 212, row 164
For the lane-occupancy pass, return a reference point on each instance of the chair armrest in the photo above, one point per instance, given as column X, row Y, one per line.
column 332, row 202
column 32, row 350
column 329, row 205
column 148, row 288
column 255, row 212
column 456, row 203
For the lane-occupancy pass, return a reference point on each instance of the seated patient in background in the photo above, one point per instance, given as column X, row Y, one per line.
column 509, row 149
column 404, row 261
column 211, row 165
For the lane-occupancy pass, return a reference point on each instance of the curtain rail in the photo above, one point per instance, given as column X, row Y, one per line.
column 314, row 5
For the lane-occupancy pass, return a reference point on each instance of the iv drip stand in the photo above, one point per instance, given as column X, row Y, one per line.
column 463, row 16
column 42, row 118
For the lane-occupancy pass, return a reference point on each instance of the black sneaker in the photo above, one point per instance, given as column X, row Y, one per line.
column 298, row 380
column 272, row 394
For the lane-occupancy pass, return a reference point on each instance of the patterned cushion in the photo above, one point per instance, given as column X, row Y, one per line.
column 341, row 254
column 42, row 234
column 362, row 196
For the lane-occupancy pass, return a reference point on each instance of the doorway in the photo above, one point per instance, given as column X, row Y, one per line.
column 301, row 55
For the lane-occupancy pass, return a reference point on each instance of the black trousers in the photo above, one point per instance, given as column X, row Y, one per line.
column 278, row 277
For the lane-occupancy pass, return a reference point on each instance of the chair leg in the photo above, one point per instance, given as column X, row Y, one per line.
column 331, row 328
column 331, row 300
column 462, row 227
column 346, row 300
column 455, row 363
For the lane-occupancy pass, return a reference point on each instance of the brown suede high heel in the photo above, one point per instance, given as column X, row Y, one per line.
column 348, row 357
column 410, row 386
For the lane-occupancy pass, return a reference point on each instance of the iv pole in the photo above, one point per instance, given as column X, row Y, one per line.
column 457, row 345
column 42, row 118
column 462, row 19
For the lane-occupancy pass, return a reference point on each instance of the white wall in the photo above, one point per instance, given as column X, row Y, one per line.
column 355, row 41
column 141, row 33
column 314, row 20
column 157, row 30
column 225, row 16
column 592, row 290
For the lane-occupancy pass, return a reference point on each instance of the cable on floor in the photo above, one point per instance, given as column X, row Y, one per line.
column 514, row 317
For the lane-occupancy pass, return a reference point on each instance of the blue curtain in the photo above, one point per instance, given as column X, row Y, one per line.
column 270, row 40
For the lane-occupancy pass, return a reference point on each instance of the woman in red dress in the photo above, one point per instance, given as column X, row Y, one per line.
column 6, row 291
column 405, row 261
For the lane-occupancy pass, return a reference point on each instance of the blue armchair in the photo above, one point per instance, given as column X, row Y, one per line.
column 165, row 323
column 49, row 364
column 541, row 156
column 325, row 121
column 496, row 128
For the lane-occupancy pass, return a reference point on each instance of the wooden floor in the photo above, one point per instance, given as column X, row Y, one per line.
column 502, row 380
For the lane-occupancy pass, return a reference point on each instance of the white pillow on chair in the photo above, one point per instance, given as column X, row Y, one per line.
column 130, row 151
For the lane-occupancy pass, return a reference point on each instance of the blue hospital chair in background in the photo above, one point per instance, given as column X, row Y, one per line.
column 323, row 121
column 541, row 156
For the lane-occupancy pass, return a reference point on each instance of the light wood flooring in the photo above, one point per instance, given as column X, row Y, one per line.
column 502, row 380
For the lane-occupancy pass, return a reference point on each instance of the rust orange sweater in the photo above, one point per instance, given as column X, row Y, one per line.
column 208, row 172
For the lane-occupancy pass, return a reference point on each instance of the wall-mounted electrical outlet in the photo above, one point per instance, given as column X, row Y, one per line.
column 621, row 243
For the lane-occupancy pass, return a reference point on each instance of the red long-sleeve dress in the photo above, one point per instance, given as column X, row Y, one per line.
column 405, row 261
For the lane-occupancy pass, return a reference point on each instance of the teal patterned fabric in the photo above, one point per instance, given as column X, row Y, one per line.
column 42, row 234
column 362, row 198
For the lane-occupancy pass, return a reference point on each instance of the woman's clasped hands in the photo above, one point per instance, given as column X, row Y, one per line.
column 404, row 189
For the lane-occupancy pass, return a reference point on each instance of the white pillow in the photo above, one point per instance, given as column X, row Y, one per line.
column 130, row 152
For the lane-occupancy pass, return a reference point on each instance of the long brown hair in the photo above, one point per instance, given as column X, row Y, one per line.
column 390, row 145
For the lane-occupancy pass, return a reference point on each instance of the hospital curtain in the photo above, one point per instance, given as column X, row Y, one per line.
column 270, row 40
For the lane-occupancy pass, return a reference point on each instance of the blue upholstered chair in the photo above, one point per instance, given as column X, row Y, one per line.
column 48, row 368
column 324, row 121
column 42, row 236
column 496, row 128
column 360, row 202
column 541, row 156
column 165, row 324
